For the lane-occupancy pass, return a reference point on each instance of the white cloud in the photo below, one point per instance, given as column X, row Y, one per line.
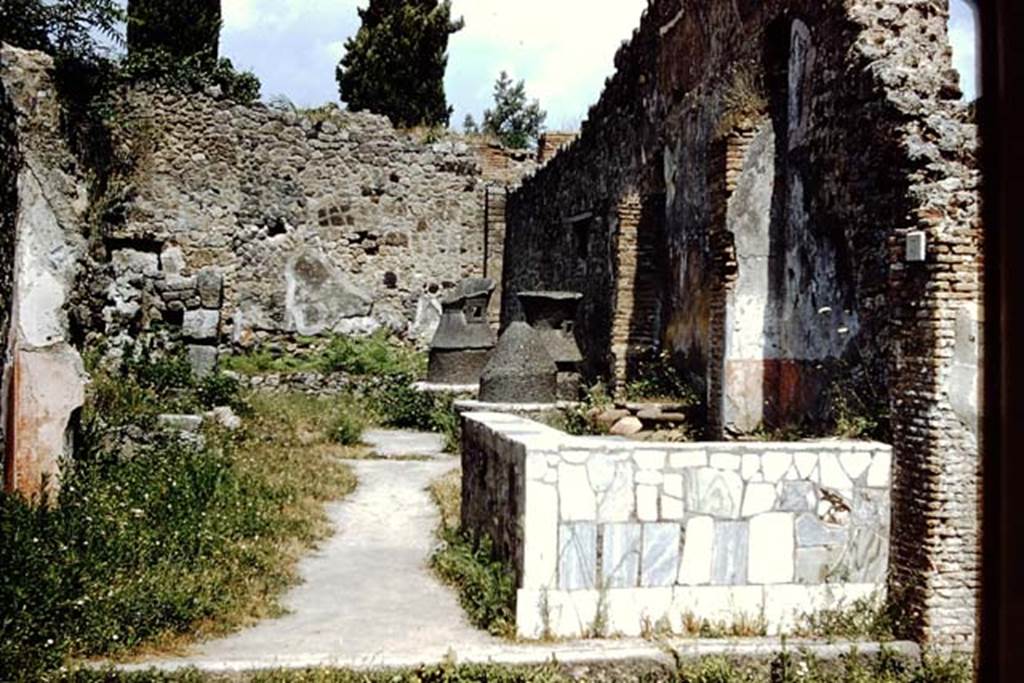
column 294, row 46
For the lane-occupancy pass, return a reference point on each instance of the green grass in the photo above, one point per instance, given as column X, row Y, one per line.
column 790, row 668
column 486, row 587
column 376, row 355
column 154, row 541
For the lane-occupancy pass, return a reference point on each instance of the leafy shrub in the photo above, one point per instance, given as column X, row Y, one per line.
column 658, row 377
column 485, row 585
column 347, row 428
column 191, row 73
column 867, row 617
column 219, row 389
column 377, row 355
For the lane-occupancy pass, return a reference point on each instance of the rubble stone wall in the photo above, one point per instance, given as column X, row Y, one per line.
column 788, row 267
column 614, row 537
column 333, row 224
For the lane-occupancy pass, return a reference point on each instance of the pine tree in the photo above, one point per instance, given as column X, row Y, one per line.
column 514, row 121
column 395, row 63
column 469, row 125
column 181, row 29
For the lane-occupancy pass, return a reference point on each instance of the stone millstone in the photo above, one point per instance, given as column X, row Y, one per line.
column 520, row 370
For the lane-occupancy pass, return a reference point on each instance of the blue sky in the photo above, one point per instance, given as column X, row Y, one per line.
column 294, row 45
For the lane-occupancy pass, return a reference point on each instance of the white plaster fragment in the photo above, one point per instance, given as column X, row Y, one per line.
column 758, row 498
column 771, row 556
column 725, row 461
column 881, row 470
column 855, row 463
column 775, row 464
column 832, row 474
column 647, row 503
column 751, row 468
column 577, row 499
column 686, row 459
column 695, row 567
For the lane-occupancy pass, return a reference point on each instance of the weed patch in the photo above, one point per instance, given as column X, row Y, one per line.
column 790, row 668
column 153, row 540
column 485, row 585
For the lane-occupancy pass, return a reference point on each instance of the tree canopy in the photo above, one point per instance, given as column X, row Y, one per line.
column 66, row 28
column 182, row 29
column 515, row 121
column 395, row 64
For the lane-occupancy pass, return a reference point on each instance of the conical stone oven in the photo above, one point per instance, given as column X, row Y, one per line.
column 464, row 339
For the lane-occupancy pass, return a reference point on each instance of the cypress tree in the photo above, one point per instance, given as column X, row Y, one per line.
column 181, row 29
column 395, row 63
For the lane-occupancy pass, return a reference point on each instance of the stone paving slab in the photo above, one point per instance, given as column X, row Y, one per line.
column 397, row 443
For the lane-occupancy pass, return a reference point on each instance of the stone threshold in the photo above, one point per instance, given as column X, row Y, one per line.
column 596, row 652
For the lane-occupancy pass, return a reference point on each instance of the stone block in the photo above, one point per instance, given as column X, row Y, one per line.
column 812, row 531
column 647, row 503
column 775, row 464
column 132, row 262
column 201, row 325
column 202, row 359
column 210, row 284
column 806, row 465
column 542, row 614
column 627, row 426
column 616, row 501
column 758, row 498
column 688, row 459
column 833, row 475
column 771, row 548
column 578, row 502
column 172, row 260
column 881, row 470
column 798, row 496
column 855, row 463
column 540, row 549
column 649, row 460
column 750, row 470
column 630, row 612
column 577, row 557
column 190, row 424
column 698, row 541
column 620, row 557
column 730, row 553
column 726, row 605
column 714, row 492
column 660, row 562
column 672, row 508
column 725, row 461
column 813, row 565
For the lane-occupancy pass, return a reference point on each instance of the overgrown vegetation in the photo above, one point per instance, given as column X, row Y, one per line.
column 155, row 537
column 485, row 585
column 797, row 667
column 658, row 378
column 869, row 618
column 382, row 371
column 742, row 626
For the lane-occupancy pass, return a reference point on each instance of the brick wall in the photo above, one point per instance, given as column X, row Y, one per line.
column 866, row 141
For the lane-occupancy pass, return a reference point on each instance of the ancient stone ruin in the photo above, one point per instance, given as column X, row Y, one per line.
column 780, row 196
